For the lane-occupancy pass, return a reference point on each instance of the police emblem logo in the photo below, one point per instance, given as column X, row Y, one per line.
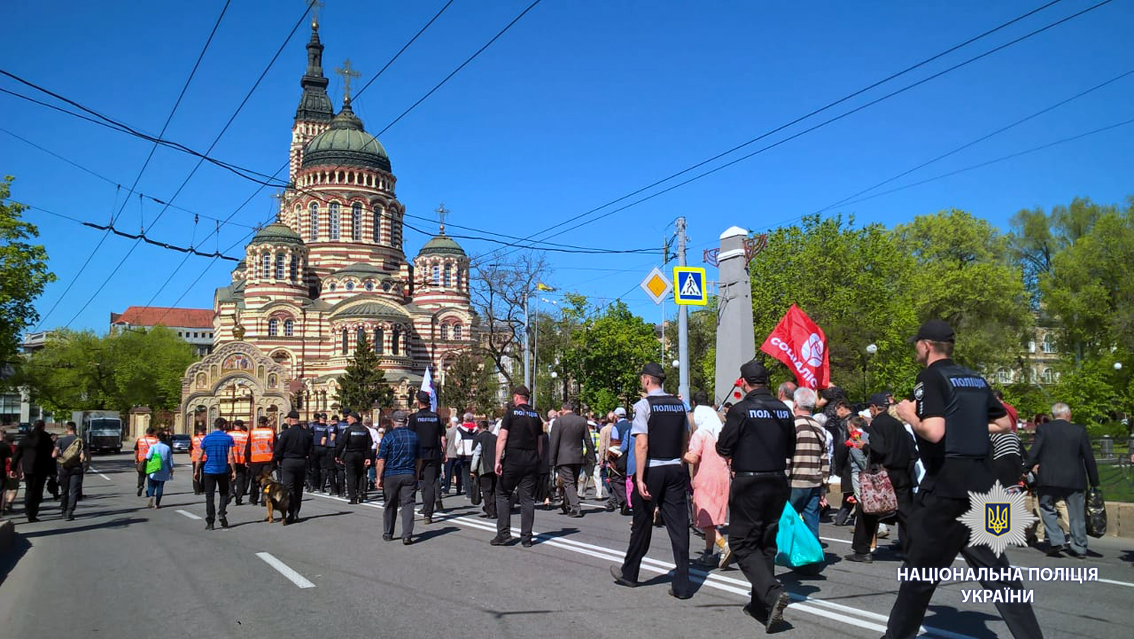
column 997, row 519
column 919, row 392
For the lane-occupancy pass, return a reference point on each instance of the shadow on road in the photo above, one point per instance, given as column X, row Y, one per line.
column 114, row 523
column 435, row 532
column 970, row 622
column 9, row 559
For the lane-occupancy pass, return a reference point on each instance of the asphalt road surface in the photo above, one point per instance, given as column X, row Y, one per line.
column 121, row 570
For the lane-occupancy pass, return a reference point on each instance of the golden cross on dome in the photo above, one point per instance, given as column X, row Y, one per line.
column 348, row 74
column 278, row 197
column 442, row 213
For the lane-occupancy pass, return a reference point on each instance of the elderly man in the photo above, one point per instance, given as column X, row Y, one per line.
column 1064, row 460
column 786, row 394
column 399, row 464
column 810, row 464
column 568, row 441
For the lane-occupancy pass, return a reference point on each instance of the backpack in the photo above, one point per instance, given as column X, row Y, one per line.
column 73, row 456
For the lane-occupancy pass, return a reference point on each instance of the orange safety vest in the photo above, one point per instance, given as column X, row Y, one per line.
column 241, row 439
column 144, row 447
column 195, row 449
column 263, row 445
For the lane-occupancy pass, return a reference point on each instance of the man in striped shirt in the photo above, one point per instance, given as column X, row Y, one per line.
column 810, row 464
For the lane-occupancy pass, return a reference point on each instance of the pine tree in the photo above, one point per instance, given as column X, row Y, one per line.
column 364, row 382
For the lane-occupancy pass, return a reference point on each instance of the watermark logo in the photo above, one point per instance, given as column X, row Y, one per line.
column 997, row 519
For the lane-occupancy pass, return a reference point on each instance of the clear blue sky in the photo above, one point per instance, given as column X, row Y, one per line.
column 579, row 103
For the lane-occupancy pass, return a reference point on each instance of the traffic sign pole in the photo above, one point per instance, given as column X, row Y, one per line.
column 682, row 323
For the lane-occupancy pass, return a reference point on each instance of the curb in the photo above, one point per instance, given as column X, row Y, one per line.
column 7, row 535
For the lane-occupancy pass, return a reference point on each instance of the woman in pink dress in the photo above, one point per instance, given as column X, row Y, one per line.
column 711, row 482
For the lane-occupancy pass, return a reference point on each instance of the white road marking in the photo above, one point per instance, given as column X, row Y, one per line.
column 285, row 570
column 188, row 514
column 1117, row 583
column 95, row 471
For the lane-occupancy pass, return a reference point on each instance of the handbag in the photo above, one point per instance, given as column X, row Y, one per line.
column 153, row 464
column 876, row 492
column 795, row 545
column 1096, row 513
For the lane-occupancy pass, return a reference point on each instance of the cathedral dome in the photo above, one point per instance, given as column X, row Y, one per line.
column 346, row 143
column 442, row 245
column 276, row 233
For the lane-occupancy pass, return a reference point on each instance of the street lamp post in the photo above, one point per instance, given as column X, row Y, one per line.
column 871, row 349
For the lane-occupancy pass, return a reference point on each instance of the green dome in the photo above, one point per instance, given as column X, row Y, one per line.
column 442, row 244
column 346, row 143
column 277, row 233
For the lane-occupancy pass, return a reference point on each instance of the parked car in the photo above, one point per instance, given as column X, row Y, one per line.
column 180, row 443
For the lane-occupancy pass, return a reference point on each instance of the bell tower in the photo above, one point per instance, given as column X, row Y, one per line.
column 315, row 112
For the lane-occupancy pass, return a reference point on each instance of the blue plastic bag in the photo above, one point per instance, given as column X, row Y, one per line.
column 796, row 546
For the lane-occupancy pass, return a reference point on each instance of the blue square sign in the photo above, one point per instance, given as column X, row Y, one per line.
column 689, row 286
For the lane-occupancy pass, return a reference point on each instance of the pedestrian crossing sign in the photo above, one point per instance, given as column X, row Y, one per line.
column 689, row 288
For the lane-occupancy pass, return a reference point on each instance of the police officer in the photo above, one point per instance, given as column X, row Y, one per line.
column 661, row 435
column 329, row 479
column 517, row 465
column 319, row 437
column 339, row 426
column 293, row 448
column 431, row 437
column 952, row 412
column 353, row 452
column 757, row 439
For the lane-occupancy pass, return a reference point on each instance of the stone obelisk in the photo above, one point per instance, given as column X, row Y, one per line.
column 736, row 341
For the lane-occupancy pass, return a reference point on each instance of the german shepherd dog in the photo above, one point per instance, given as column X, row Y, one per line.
column 276, row 497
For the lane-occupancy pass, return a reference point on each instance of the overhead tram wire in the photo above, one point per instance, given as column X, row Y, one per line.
column 168, row 119
column 216, row 140
column 551, row 249
column 817, row 111
column 358, row 94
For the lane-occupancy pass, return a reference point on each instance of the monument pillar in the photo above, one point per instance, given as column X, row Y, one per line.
column 736, row 340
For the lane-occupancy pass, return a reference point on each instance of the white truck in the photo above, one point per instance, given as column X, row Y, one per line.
column 101, row 430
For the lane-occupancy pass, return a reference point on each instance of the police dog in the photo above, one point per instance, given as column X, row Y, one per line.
column 276, row 497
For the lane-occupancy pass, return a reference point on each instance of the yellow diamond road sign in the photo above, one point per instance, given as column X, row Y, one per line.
column 657, row 285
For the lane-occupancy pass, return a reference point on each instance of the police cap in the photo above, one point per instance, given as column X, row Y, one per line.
column 424, row 397
column 654, row 370
column 522, row 391
column 293, row 414
column 754, row 372
column 935, row 330
column 881, row 400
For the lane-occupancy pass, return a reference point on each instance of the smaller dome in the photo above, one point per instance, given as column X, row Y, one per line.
column 277, row 233
column 359, row 269
column 442, row 245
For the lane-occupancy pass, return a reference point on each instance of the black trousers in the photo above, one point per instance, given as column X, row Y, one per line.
column 329, row 478
column 212, row 483
column 430, row 486
column 292, row 472
column 935, row 539
column 355, row 465
column 33, row 493
column 866, row 525
column 488, row 493
column 240, row 486
column 520, row 469
column 70, row 486
column 755, row 506
column 254, row 472
column 315, row 476
column 617, row 490
column 198, row 488
column 142, row 476
column 398, row 492
column 340, row 477
column 667, row 492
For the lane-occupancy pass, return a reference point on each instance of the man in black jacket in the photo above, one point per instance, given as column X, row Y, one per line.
column 1061, row 454
column 431, row 437
column 890, row 447
column 293, row 448
column 38, row 464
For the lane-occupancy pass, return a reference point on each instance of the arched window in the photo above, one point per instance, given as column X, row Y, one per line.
column 293, row 271
column 456, row 331
column 335, row 227
column 448, row 276
column 273, row 327
column 444, row 332
column 436, row 275
column 356, row 221
column 313, row 226
column 1047, row 346
column 360, row 335
column 279, row 266
column 288, row 328
column 394, row 342
column 379, row 347
column 1004, row 376
column 266, row 266
column 346, row 342
column 458, row 282
column 1048, row 376
column 377, row 225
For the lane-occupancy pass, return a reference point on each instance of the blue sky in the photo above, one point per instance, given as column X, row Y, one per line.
column 578, row 104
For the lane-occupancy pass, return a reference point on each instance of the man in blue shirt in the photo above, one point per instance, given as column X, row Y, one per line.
column 217, row 470
column 399, row 464
column 620, row 433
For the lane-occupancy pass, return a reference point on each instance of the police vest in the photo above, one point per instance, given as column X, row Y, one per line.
column 144, row 447
column 966, row 412
column 195, row 449
column 238, row 451
column 263, row 443
column 667, row 425
column 318, row 432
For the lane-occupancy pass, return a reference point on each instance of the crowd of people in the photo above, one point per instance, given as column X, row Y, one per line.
column 726, row 472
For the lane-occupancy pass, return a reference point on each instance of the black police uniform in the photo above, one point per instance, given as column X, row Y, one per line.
column 293, row 447
column 959, row 463
column 667, row 426
column 354, row 450
column 427, row 426
column 329, row 477
column 759, row 437
column 319, row 449
column 520, row 468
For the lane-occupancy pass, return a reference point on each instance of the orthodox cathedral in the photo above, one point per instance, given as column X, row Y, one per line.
column 328, row 272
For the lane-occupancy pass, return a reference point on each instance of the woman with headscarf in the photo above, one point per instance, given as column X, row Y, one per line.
column 711, row 482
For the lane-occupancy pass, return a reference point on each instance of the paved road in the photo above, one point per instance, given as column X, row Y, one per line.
column 120, row 570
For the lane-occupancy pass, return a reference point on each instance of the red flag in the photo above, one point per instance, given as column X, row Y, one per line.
column 801, row 345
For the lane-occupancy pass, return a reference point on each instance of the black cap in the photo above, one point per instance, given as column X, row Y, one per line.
column 654, row 370
column 424, row 397
column 355, row 415
column 935, row 330
column 293, row 414
column 881, row 400
column 522, row 391
column 754, row 372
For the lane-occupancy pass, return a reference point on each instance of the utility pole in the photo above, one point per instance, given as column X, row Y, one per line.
column 527, row 350
column 535, row 355
column 682, row 322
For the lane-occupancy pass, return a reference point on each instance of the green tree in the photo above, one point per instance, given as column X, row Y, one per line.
column 702, row 348
column 23, row 273
column 364, row 383
column 470, row 385
column 613, row 345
